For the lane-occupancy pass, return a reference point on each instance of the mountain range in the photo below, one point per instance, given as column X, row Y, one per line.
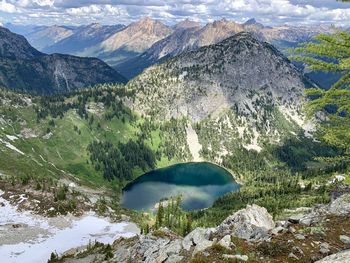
column 27, row 69
column 130, row 49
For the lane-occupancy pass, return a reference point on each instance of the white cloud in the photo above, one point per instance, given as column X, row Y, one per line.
column 271, row 12
column 7, row 7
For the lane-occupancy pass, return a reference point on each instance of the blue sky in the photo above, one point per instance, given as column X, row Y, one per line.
column 270, row 12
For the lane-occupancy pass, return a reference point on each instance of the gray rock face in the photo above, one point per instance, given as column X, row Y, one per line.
column 230, row 72
column 251, row 223
column 341, row 257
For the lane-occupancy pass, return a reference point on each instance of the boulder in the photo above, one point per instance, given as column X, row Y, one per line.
column 324, row 248
column 345, row 239
column 251, row 223
column 226, row 242
column 196, row 237
column 340, row 206
column 341, row 257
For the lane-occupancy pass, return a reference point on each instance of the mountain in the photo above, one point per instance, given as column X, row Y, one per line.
column 132, row 41
column 242, row 85
column 193, row 38
column 182, row 39
column 25, row 68
column 83, row 39
column 43, row 37
column 23, row 29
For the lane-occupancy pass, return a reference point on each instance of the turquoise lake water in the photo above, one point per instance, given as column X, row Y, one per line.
column 200, row 184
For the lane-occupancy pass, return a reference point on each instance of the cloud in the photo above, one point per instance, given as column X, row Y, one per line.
column 7, row 7
column 271, row 12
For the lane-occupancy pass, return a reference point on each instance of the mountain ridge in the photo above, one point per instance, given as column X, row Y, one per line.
column 25, row 68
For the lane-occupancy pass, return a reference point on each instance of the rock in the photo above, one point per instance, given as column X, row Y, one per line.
column 277, row 230
column 324, row 248
column 344, row 239
column 226, row 242
column 340, row 206
column 298, row 250
column 291, row 255
column 341, row 257
column 242, row 257
column 195, row 237
column 300, row 237
column 251, row 223
column 187, row 243
column 295, row 219
column 174, row 259
column 174, row 247
column 203, row 245
column 291, row 230
column 2, row 204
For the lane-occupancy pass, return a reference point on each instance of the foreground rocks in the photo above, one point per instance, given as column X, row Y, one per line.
column 251, row 223
column 249, row 235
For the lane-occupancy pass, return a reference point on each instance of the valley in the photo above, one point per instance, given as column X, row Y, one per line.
column 218, row 149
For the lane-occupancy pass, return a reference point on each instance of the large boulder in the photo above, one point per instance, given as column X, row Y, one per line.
column 340, row 206
column 251, row 223
column 341, row 257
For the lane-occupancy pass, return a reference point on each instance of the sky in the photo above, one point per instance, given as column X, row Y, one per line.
column 269, row 12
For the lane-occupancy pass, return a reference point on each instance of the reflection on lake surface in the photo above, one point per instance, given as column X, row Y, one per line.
column 200, row 184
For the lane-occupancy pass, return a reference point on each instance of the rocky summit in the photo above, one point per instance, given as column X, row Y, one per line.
column 244, row 84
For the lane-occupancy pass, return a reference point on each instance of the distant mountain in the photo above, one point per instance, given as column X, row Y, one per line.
column 23, row 29
column 182, row 39
column 44, row 37
column 83, row 40
column 195, row 37
column 22, row 67
column 132, row 41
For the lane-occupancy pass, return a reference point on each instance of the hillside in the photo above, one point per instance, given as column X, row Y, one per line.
column 239, row 91
column 26, row 69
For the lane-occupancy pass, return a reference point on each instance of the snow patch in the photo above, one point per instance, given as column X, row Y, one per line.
column 39, row 236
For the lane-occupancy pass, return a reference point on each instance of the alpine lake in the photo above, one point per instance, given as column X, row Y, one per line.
column 199, row 185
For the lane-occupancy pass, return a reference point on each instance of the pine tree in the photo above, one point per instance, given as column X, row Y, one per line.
column 330, row 53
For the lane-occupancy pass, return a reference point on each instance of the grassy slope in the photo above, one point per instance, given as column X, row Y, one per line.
column 66, row 149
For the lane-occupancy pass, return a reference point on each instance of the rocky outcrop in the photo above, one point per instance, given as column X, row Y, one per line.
column 251, row 223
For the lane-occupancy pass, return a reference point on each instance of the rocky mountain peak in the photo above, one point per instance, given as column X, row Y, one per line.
column 246, row 84
column 138, row 36
column 147, row 25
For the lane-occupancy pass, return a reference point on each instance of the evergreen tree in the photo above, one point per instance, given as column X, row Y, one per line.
column 330, row 53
